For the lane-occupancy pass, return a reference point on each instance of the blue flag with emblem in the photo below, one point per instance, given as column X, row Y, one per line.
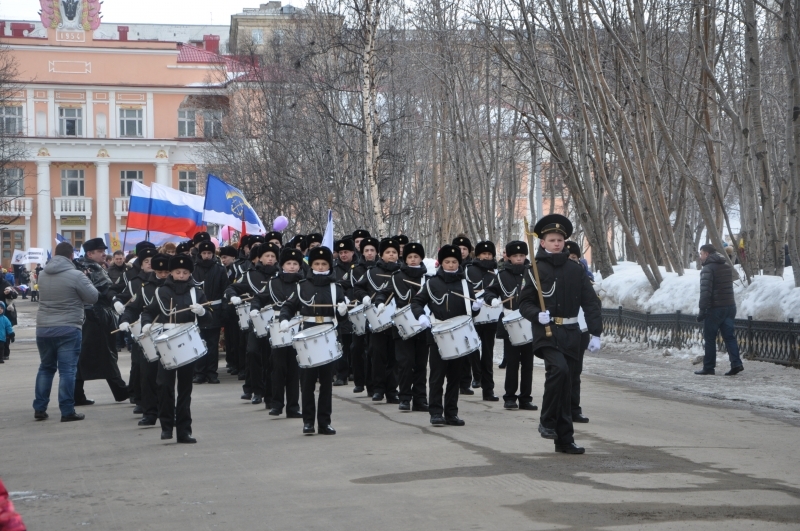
column 227, row 205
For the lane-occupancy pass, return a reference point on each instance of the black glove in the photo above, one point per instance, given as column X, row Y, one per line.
column 701, row 317
column 11, row 337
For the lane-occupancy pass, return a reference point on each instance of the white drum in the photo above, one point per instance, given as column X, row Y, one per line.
column 381, row 321
column 283, row 338
column 456, row 337
column 358, row 317
column 243, row 312
column 520, row 330
column 262, row 321
column 147, row 341
column 136, row 329
column 317, row 346
column 488, row 315
column 180, row 346
column 407, row 325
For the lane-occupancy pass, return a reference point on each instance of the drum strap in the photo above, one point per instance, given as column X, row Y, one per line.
column 466, row 293
column 333, row 303
column 193, row 295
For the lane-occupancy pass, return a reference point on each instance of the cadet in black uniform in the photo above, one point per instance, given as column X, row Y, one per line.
column 230, row 321
column 343, row 267
column 463, row 244
column 508, row 285
column 285, row 372
column 436, row 295
column 177, row 293
column 574, row 251
column 412, row 353
column 212, row 279
column 360, row 348
column 402, row 240
column 315, row 303
column 566, row 289
column 481, row 273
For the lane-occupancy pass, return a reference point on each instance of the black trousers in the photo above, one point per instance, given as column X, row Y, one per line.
column 259, row 373
column 285, row 379
column 343, row 363
column 321, row 411
column 169, row 413
column 149, row 389
column 383, row 362
column 358, row 360
column 517, row 378
column 441, row 369
column 208, row 365
column 557, row 400
column 412, row 366
column 482, row 361
column 232, row 344
column 135, row 376
column 117, row 385
column 575, row 375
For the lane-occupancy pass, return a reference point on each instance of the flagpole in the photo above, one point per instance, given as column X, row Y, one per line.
column 149, row 211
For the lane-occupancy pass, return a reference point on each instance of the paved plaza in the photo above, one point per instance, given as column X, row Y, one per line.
column 654, row 461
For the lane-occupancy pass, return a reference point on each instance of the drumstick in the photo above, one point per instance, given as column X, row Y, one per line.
column 118, row 330
column 251, row 297
column 187, row 309
column 462, row 296
column 412, row 283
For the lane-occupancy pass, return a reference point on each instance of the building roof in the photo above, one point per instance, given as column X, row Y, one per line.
column 193, row 54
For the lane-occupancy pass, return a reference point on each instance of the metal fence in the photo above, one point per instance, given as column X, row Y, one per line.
column 758, row 340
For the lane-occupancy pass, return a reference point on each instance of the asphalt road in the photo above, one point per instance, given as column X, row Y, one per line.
column 652, row 462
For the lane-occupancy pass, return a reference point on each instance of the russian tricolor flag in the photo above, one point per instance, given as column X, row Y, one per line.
column 160, row 208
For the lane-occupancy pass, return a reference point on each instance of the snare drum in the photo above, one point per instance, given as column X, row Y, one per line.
column 283, row 338
column 381, row 321
column 317, row 346
column 146, row 341
column 407, row 325
column 136, row 329
column 358, row 317
column 262, row 320
column 243, row 312
column 488, row 315
column 180, row 346
column 456, row 337
column 520, row 330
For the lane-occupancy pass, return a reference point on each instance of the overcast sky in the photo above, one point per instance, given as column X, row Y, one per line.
column 149, row 11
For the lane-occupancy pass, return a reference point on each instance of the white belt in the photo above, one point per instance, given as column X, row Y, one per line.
column 318, row 320
column 564, row 320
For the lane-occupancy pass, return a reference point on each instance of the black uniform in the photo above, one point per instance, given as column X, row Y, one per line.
column 132, row 287
column 178, row 296
column 316, row 290
column 376, row 284
column 439, row 288
column 285, row 372
column 343, row 272
column 566, row 288
column 259, row 375
column 360, row 347
column 116, row 273
column 482, row 274
column 509, row 283
column 230, row 324
column 212, row 278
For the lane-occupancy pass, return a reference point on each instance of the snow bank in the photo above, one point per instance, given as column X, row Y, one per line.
column 767, row 298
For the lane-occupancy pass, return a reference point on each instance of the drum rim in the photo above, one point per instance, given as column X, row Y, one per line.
column 177, row 327
column 325, row 326
column 451, row 321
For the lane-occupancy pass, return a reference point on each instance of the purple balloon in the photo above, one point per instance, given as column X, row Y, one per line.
column 280, row 223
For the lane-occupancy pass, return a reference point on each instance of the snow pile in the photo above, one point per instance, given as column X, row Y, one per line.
column 767, row 298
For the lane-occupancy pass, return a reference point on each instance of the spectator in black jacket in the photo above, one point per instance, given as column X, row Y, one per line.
column 717, row 309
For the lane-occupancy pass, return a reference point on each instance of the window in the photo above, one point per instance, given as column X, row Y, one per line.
column 75, row 237
column 187, row 122
column 212, row 124
column 11, row 120
column 11, row 182
column 257, row 36
column 70, row 122
column 72, row 183
column 187, row 181
column 130, row 122
column 12, row 240
column 126, row 180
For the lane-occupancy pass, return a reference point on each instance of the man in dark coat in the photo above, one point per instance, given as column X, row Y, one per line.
column 98, row 359
column 566, row 289
column 343, row 268
column 717, row 310
column 212, row 278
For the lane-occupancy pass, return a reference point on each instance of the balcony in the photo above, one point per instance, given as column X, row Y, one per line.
column 12, row 207
column 121, row 207
column 69, row 207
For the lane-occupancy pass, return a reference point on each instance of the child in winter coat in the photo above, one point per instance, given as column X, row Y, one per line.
column 6, row 333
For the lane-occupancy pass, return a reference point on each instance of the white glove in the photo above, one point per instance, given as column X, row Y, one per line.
column 366, row 300
column 236, row 300
column 197, row 309
column 124, row 327
column 496, row 303
column 119, row 307
column 477, row 305
column 253, row 313
column 424, row 321
column 544, row 317
column 380, row 307
column 284, row 325
column 146, row 328
column 594, row 344
column 342, row 308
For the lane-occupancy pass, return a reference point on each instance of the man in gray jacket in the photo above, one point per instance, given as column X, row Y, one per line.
column 63, row 291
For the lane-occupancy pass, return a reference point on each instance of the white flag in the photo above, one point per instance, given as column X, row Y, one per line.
column 327, row 239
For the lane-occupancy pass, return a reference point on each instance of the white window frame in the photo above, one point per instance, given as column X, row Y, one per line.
column 131, row 119
column 12, row 182
column 63, row 119
column 12, row 115
column 187, row 120
column 257, row 36
column 126, row 180
column 68, row 176
column 187, row 181
column 212, row 123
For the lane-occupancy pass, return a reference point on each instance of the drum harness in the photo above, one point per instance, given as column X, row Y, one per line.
column 556, row 320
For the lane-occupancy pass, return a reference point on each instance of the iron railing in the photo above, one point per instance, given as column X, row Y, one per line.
column 772, row 341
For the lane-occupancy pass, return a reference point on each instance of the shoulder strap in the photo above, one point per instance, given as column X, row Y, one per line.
column 466, row 293
column 194, row 300
column 333, row 304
